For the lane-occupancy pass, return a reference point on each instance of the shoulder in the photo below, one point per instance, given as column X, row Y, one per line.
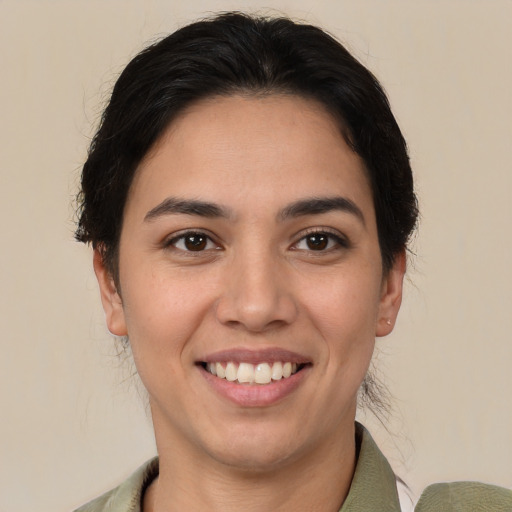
column 465, row 497
column 374, row 487
column 127, row 496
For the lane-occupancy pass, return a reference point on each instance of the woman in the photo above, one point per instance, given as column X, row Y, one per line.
column 249, row 199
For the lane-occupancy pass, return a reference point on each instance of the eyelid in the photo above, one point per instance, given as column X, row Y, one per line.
column 170, row 240
column 340, row 239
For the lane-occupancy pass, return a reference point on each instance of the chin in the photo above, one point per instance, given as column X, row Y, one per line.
column 256, row 450
column 254, row 459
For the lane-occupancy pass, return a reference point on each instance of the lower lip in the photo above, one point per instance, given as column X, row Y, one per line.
column 255, row 395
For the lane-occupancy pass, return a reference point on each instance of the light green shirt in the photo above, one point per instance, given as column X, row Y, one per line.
column 373, row 489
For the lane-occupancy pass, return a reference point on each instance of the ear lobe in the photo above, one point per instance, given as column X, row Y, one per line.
column 110, row 298
column 391, row 296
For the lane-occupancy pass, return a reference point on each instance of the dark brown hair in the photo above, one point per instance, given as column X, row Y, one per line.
column 234, row 53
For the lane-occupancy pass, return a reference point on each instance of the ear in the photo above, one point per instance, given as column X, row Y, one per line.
column 110, row 298
column 391, row 296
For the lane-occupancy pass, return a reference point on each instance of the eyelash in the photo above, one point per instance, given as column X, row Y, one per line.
column 176, row 239
column 333, row 240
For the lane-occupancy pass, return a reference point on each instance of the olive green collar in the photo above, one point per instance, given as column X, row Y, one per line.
column 374, row 483
column 373, row 486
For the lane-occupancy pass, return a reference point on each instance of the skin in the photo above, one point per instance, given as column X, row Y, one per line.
column 259, row 283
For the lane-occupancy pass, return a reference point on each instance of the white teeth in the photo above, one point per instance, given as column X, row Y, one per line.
column 220, row 371
column 277, row 371
column 247, row 373
column 262, row 374
column 231, row 372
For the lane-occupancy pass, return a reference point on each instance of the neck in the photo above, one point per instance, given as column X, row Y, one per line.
column 317, row 481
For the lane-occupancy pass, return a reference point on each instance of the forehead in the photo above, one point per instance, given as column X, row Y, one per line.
column 267, row 149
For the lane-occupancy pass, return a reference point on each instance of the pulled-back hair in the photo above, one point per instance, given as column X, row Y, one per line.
column 230, row 54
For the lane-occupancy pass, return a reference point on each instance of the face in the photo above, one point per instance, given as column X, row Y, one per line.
column 250, row 281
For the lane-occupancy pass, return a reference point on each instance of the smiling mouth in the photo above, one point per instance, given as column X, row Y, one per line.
column 248, row 373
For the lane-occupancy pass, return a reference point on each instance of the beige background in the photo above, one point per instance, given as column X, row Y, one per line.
column 72, row 423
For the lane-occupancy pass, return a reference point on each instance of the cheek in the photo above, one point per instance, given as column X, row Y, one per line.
column 345, row 310
column 344, row 305
column 165, row 310
column 161, row 313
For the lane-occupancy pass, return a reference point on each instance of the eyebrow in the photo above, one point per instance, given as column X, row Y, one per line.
column 303, row 207
column 173, row 206
column 319, row 205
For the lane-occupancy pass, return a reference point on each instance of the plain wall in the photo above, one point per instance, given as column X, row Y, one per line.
column 73, row 422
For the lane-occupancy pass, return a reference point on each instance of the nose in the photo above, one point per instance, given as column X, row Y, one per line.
column 256, row 295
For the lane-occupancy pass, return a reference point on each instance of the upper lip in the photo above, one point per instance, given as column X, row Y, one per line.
column 245, row 355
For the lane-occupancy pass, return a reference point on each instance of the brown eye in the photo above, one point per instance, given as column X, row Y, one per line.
column 195, row 242
column 317, row 241
column 192, row 242
column 321, row 241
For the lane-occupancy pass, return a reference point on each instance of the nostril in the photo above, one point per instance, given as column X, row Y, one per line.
column 256, row 305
